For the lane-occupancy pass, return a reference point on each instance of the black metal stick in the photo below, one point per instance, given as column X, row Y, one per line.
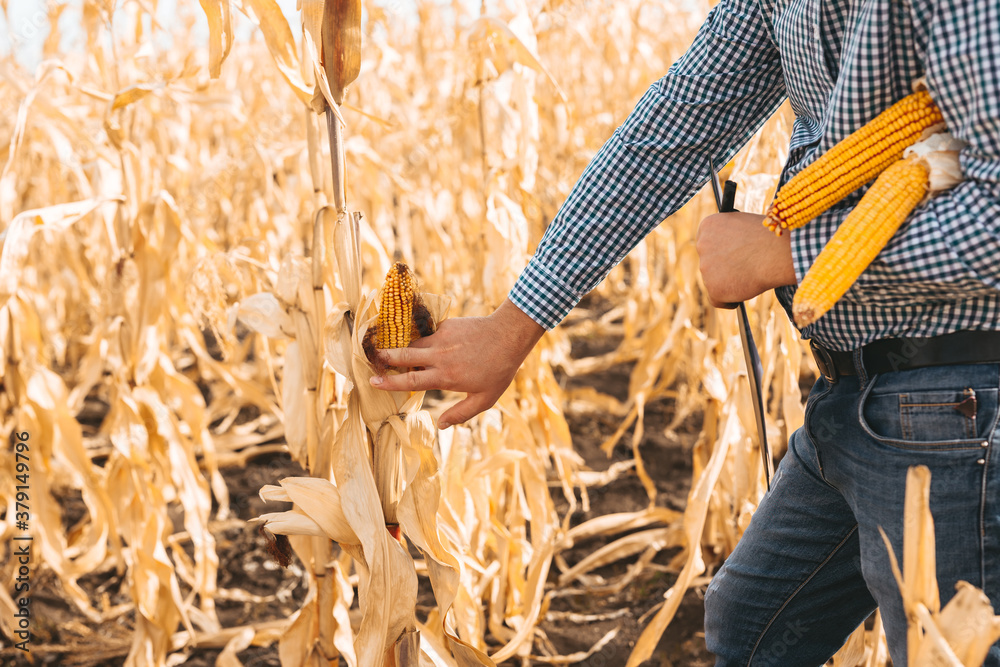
column 725, row 202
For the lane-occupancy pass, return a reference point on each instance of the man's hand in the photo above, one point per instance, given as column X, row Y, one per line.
column 740, row 258
column 477, row 355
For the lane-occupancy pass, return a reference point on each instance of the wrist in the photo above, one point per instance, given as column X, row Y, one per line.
column 518, row 328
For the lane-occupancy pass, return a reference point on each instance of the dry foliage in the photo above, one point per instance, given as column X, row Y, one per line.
column 169, row 253
column 961, row 634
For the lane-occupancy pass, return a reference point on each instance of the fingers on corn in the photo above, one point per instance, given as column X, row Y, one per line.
column 859, row 238
column 853, row 162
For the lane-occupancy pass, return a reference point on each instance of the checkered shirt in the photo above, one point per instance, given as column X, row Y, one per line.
column 840, row 63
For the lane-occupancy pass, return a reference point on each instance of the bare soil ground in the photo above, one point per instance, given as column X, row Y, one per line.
column 264, row 591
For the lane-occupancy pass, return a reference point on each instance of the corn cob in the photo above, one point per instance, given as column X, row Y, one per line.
column 860, row 237
column 395, row 317
column 853, row 162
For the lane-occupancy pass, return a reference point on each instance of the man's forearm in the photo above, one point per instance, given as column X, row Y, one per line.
column 709, row 104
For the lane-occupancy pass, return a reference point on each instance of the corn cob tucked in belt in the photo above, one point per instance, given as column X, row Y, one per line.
column 859, row 238
column 928, row 167
column 853, row 162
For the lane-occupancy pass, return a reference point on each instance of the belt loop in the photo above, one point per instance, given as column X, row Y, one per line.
column 859, row 366
column 824, row 362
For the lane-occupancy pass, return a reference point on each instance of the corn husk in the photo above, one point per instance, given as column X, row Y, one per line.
column 341, row 45
column 940, row 153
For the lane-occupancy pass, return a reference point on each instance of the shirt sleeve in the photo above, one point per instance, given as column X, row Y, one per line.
column 948, row 248
column 710, row 103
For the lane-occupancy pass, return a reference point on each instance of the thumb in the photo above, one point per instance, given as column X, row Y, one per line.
column 465, row 410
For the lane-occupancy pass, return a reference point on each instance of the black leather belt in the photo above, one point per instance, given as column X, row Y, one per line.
column 901, row 354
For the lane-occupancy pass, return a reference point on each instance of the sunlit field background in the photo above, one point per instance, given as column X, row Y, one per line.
column 180, row 307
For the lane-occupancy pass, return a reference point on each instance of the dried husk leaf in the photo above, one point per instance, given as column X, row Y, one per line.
column 314, row 498
column 388, row 584
column 375, row 405
column 292, row 522
column 418, row 517
column 274, row 492
column 940, row 153
column 337, row 340
column 341, row 44
column 387, row 463
column 294, row 403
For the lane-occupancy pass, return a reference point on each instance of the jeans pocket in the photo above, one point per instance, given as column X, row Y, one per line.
column 929, row 419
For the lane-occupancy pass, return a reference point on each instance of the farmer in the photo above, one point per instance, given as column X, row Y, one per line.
column 812, row 565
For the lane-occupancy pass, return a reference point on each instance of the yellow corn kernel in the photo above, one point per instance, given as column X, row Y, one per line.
column 853, row 162
column 860, row 237
column 395, row 317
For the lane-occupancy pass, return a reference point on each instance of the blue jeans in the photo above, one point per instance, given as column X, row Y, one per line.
column 812, row 565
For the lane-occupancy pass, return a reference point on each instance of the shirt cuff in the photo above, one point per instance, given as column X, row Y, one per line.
column 543, row 297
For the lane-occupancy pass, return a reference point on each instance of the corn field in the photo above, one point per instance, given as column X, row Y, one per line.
column 194, row 233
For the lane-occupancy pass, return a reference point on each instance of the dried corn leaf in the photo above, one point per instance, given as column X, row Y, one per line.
column 852, row 653
column 694, row 522
column 240, row 642
column 24, row 226
column 580, row 656
column 220, row 33
column 418, row 517
column 264, row 314
column 347, row 247
column 131, row 95
column 495, row 29
column 337, row 340
column 964, row 631
column 267, row 16
column 919, row 568
column 624, row 547
column 969, row 624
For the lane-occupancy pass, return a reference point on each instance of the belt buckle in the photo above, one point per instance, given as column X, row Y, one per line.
column 824, row 362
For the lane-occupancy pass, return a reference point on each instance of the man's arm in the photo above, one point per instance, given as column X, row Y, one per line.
column 709, row 104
